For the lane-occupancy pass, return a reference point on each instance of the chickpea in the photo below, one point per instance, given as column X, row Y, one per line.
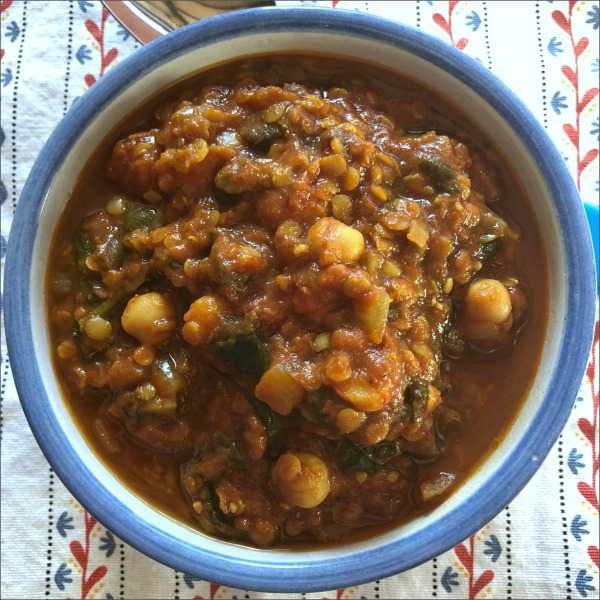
column 150, row 318
column 331, row 241
column 487, row 311
column 487, row 300
column 302, row 479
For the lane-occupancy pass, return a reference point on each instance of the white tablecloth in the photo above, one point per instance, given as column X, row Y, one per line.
column 544, row 545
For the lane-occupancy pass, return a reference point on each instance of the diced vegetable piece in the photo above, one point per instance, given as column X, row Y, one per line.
column 331, row 241
column 279, row 390
column 372, row 310
column 361, row 394
column 434, row 487
column 159, row 406
column 109, row 442
column 418, row 233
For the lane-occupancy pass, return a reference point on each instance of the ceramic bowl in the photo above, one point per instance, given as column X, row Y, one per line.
column 426, row 59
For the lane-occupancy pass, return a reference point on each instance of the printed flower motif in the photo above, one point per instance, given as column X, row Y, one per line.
column 558, row 103
column 12, row 31
column 449, row 579
column 594, row 17
column 554, row 46
column 473, row 20
column 62, row 577
column 577, row 527
column 6, row 77
column 85, row 5
column 493, row 548
column 574, row 461
column 83, row 54
column 582, row 583
column 596, row 66
column 582, row 98
column 108, row 544
column 81, row 554
column 3, row 190
column 467, row 558
column 189, row 580
column 106, row 58
column 596, row 129
column 445, row 23
column 214, row 588
column 64, row 523
column 125, row 35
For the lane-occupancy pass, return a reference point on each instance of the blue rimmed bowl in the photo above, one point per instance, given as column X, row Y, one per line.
column 421, row 57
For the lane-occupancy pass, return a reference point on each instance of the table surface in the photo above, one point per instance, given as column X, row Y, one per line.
column 543, row 545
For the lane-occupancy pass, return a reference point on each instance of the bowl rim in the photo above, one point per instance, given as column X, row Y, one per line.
column 299, row 573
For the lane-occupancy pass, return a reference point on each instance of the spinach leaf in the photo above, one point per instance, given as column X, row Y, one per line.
column 84, row 247
column 442, row 174
column 237, row 344
column 272, row 421
column 487, row 248
column 138, row 216
column 235, row 454
column 260, row 134
column 353, row 457
column 415, row 401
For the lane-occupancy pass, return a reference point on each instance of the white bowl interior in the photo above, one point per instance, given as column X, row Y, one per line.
column 370, row 50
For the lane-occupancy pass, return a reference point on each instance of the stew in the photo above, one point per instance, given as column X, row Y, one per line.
column 296, row 300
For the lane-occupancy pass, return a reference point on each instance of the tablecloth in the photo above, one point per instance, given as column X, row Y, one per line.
column 543, row 545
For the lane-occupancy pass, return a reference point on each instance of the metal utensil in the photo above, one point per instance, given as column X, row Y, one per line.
column 147, row 21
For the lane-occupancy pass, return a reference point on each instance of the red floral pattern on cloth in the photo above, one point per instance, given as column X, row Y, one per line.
column 544, row 545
